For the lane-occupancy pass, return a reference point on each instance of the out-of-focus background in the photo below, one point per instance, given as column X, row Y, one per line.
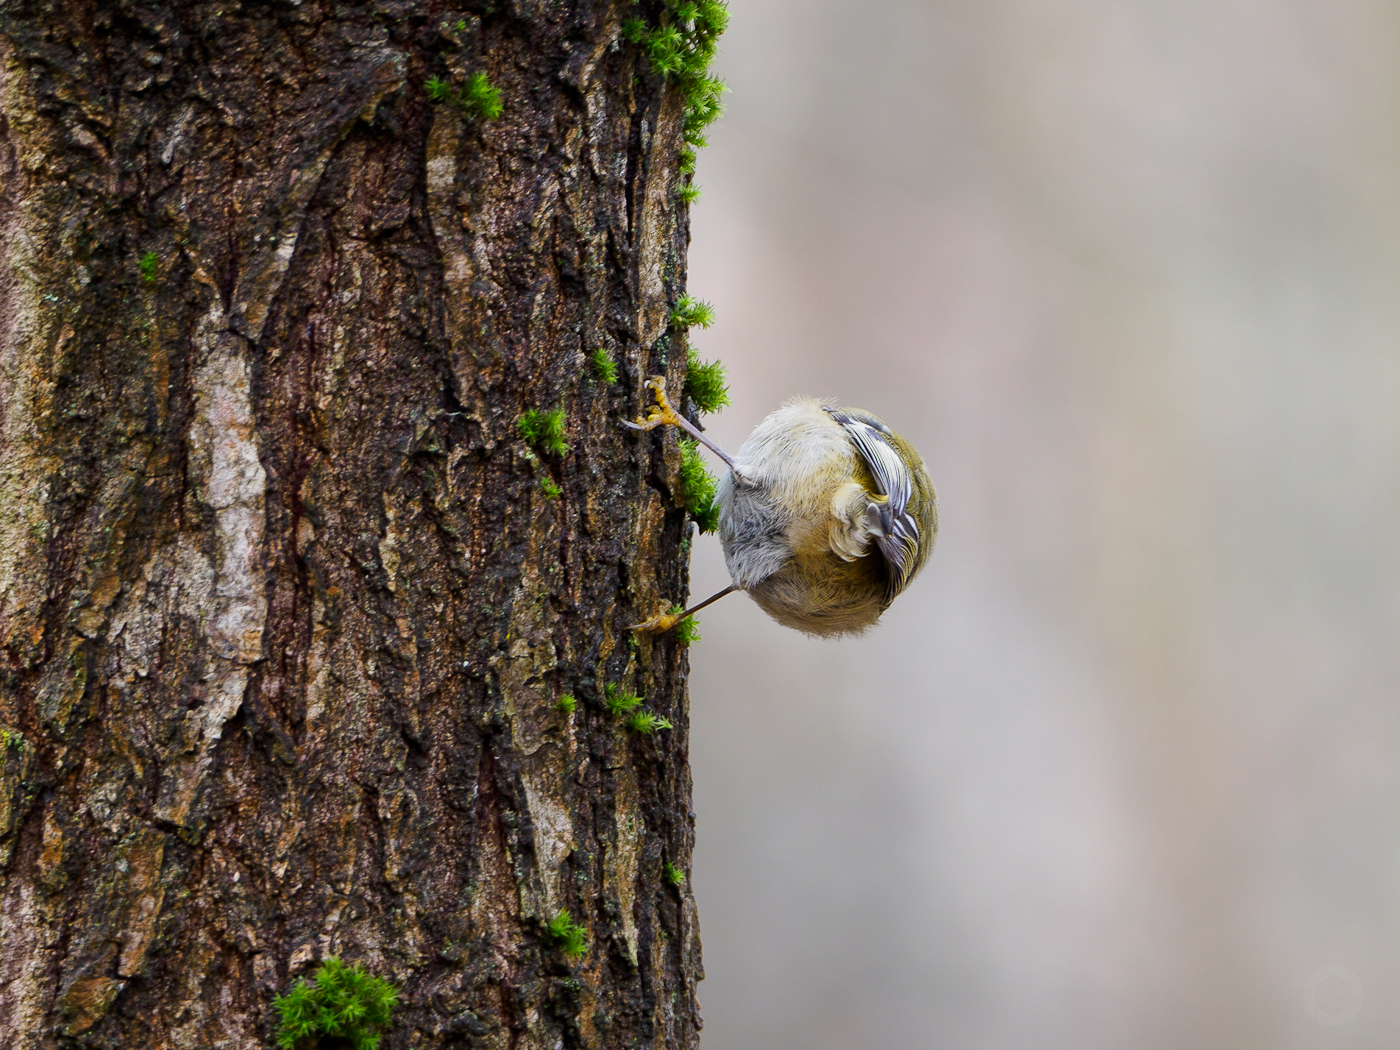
column 1122, row 769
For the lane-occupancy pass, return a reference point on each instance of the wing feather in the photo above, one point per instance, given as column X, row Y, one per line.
column 898, row 539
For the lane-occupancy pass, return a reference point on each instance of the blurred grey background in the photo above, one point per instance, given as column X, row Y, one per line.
column 1122, row 769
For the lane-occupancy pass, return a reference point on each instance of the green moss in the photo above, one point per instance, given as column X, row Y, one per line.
column 646, row 723
column 672, row 874
column 697, row 488
column 688, row 192
column 478, row 97
column 692, row 313
column 481, row 97
column 604, row 367
column 549, row 488
column 338, row 1001
column 149, row 265
column 681, row 49
column 620, row 701
column 566, row 935
column 566, row 704
column 544, row 430
column 688, row 630
column 705, row 383
column 11, row 739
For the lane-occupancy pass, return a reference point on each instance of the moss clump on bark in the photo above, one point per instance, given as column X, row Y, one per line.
column 705, row 383
column 688, row 630
column 681, row 48
column 690, row 312
column 338, row 1001
column 698, row 488
column 620, row 701
column 646, row 722
column 478, row 97
column 566, row 935
column 544, row 430
column 604, row 367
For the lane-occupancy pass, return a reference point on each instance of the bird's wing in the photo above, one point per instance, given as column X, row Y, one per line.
column 898, row 536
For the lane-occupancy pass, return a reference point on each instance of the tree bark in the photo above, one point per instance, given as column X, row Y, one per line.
column 285, row 603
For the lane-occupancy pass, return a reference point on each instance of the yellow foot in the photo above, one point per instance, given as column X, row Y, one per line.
column 658, row 624
column 661, row 413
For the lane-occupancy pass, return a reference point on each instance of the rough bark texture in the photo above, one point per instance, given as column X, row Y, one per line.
column 284, row 606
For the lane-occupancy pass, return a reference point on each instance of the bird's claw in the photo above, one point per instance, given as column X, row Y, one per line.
column 658, row 624
column 661, row 413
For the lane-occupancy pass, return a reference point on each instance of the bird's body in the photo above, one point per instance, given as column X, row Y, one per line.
column 825, row 517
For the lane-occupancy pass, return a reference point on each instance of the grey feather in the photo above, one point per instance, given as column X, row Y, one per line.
column 754, row 531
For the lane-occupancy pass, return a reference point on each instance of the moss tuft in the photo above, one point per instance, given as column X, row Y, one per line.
column 646, row 723
column 604, row 367
column 672, row 874
column 480, row 97
column 567, row 935
column 477, row 98
column 149, row 265
column 692, row 313
column 338, row 1001
column 697, row 488
column 544, row 430
column 705, row 383
column 688, row 630
column 681, row 49
column 620, row 701
column 566, row 704
column 438, row 89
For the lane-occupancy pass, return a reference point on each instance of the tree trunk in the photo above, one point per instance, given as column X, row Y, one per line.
column 287, row 604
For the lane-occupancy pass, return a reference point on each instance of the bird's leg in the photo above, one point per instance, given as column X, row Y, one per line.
column 664, row 621
column 662, row 414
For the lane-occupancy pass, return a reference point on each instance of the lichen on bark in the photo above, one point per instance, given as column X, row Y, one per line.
column 284, row 610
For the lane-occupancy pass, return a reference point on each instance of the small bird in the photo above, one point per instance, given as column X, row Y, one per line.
column 825, row 515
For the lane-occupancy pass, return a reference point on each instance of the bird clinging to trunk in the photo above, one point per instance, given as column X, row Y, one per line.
column 825, row 515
